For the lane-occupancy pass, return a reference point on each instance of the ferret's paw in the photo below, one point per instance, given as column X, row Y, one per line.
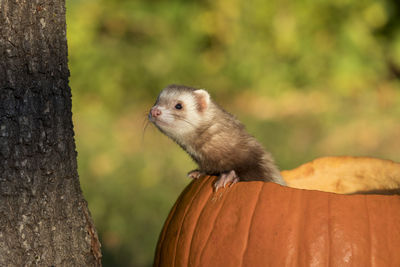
column 225, row 178
column 195, row 174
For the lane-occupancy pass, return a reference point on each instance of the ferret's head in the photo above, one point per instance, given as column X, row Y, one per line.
column 180, row 110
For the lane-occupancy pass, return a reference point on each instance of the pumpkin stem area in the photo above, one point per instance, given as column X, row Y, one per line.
column 346, row 175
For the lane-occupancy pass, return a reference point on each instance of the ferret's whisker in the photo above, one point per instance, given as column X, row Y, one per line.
column 145, row 119
column 176, row 116
column 145, row 123
column 144, row 130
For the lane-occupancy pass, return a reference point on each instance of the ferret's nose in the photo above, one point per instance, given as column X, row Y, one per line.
column 155, row 112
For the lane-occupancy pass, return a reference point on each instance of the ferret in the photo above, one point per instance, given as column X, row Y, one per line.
column 214, row 138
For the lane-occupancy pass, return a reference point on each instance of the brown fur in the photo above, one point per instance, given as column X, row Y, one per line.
column 230, row 147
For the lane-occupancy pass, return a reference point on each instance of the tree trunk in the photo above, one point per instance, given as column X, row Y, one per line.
column 44, row 220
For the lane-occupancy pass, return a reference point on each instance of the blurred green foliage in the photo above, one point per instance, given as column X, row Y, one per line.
column 308, row 78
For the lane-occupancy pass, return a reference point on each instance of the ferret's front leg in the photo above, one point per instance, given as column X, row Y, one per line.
column 195, row 174
column 225, row 178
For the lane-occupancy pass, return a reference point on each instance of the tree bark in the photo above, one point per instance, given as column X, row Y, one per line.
column 44, row 220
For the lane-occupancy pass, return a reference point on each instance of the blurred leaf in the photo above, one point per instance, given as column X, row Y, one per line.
column 307, row 78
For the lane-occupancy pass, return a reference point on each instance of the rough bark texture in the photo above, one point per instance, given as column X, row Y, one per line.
column 44, row 220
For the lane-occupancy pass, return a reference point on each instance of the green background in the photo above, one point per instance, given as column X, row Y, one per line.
column 307, row 78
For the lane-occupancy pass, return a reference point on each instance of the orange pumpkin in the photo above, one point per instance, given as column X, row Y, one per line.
column 265, row 224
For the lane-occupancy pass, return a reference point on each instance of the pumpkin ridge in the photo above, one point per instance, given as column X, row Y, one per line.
column 251, row 222
column 208, row 192
column 188, row 206
column 210, row 233
column 387, row 241
column 392, row 224
column 370, row 239
column 167, row 224
column 288, row 207
column 329, row 241
column 163, row 233
column 294, row 217
column 299, row 223
column 197, row 239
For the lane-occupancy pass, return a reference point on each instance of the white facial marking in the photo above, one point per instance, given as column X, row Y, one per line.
column 178, row 123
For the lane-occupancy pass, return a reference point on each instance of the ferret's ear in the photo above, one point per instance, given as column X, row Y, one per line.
column 203, row 99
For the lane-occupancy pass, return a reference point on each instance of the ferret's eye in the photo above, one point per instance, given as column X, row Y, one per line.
column 178, row 106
